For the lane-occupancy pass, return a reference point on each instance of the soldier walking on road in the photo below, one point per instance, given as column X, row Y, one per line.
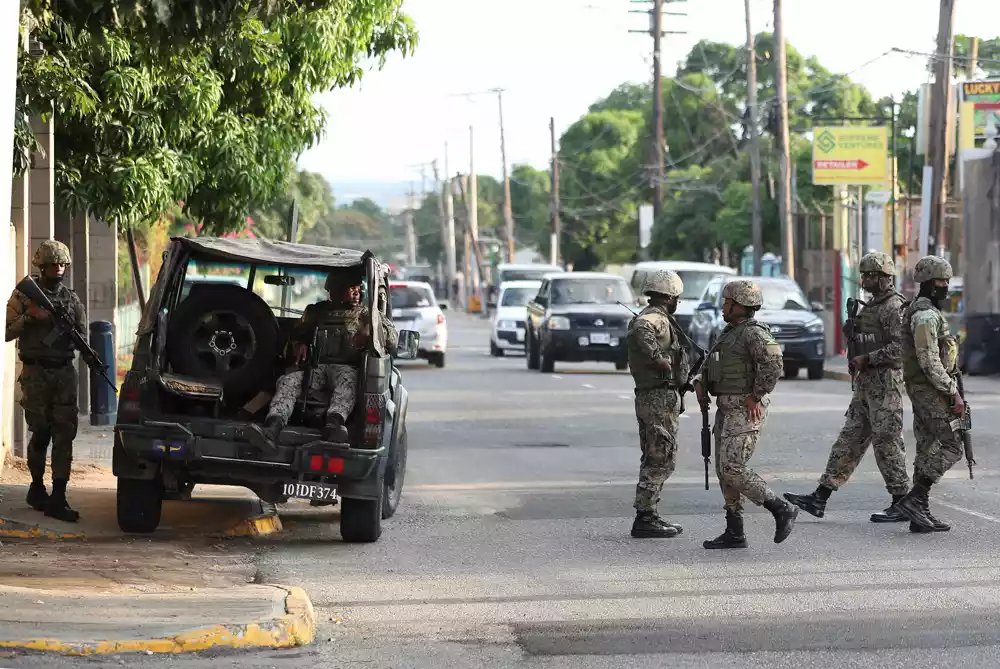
column 742, row 369
column 875, row 414
column 48, row 378
column 659, row 364
column 930, row 369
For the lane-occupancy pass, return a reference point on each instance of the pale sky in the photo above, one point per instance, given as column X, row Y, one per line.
column 556, row 57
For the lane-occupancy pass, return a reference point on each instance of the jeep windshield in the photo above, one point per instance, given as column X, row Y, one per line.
column 302, row 286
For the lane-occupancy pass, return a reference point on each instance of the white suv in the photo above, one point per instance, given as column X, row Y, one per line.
column 414, row 307
column 507, row 332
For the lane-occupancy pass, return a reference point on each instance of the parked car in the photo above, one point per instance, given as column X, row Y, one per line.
column 786, row 310
column 206, row 361
column 695, row 276
column 579, row 317
column 414, row 307
column 518, row 272
column 508, row 330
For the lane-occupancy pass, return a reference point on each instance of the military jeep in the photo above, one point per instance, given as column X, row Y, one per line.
column 213, row 339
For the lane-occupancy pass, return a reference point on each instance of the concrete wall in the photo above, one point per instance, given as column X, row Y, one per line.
column 980, row 282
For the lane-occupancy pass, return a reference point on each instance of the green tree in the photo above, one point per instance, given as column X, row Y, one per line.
column 530, row 193
column 315, row 200
column 159, row 103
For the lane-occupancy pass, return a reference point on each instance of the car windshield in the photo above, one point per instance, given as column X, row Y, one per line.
column 307, row 285
column 783, row 295
column 410, row 297
column 695, row 282
column 525, row 274
column 517, row 297
column 590, row 291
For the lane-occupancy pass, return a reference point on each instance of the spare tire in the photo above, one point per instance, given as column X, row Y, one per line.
column 225, row 333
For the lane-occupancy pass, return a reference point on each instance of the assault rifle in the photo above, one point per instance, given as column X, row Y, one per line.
column 853, row 305
column 706, row 437
column 63, row 326
column 963, row 425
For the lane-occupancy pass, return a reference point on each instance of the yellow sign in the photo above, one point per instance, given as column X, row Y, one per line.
column 850, row 156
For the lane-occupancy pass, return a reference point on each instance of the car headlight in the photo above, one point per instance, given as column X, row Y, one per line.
column 558, row 323
column 816, row 327
column 506, row 325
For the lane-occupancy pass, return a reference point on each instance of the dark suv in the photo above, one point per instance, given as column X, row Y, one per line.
column 579, row 317
column 793, row 320
column 206, row 360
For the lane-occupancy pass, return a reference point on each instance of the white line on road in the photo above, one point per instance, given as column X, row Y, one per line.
column 977, row 514
column 587, row 385
column 556, row 377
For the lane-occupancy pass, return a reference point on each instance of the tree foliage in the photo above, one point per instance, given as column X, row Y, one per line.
column 182, row 101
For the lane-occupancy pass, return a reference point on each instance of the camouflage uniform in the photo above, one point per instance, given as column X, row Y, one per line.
column 654, row 341
column 875, row 414
column 48, row 382
column 746, row 361
column 930, row 368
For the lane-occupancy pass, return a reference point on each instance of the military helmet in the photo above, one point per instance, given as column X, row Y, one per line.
column 665, row 282
column 340, row 279
column 744, row 292
column 876, row 261
column 932, row 267
column 51, row 252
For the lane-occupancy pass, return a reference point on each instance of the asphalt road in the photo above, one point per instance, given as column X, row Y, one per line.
column 512, row 547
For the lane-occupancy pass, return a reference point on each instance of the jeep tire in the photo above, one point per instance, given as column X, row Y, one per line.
column 139, row 505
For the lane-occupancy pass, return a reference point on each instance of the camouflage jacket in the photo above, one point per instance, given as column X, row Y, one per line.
column 31, row 332
column 654, row 336
column 887, row 311
column 356, row 315
column 930, row 352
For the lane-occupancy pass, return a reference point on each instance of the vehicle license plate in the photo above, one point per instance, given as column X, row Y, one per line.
column 320, row 491
column 600, row 338
column 520, row 335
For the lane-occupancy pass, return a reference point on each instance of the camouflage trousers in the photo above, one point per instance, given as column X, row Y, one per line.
column 735, row 442
column 49, row 400
column 874, row 416
column 938, row 446
column 338, row 382
column 657, row 412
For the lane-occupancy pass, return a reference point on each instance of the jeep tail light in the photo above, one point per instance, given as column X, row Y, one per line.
column 374, row 409
column 335, row 466
column 316, row 463
column 129, row 405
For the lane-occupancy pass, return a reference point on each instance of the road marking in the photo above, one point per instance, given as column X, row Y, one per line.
column 977, row 514
column 587, row 385
column 624, row 397
column 556, row 377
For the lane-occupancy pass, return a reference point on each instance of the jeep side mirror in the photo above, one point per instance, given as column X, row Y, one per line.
column 706, row 306
column 409, row 342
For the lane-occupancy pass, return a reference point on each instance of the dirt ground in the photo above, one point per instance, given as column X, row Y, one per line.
column 15, row 472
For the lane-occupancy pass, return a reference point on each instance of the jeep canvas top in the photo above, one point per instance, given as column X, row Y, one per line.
column 207, row 356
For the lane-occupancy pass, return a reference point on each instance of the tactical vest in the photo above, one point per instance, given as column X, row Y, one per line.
column 947, row 345
column 868, row 332
column 336, row 336
column 647, row 376
column 31, row 344
column 729, row 369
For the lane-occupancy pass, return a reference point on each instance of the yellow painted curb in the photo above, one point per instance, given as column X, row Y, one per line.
column 13, row 529
column 258, row 526
column 296, row 628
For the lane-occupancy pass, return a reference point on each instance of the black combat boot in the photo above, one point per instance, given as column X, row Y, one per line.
column 335, row 431
column 784, row 518
column 648, row 526
column 890, row 514
column 814, row 503
column 266, row 437
column 667, row 523
column 38, row 496
column 914, row 504
column 733, row 537
column 939, row 525
column 58, row 507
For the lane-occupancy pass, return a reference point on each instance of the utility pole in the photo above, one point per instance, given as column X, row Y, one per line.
column 444, row 221
column 411, row 237
column 751, row 121
column 473, row 209
column 508, row 216
column 784, row 160
column 659, row 175
column 554, row 175
column 449, row 240
column 940, row 123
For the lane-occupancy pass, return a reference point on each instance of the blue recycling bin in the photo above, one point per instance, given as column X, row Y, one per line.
column 103, row 399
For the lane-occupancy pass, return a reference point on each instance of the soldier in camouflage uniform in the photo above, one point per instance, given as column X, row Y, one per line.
column 875, row 414
column 658, row 360
column 930, row 369
column 741, row 371
column 48, row 379
column 340, row 328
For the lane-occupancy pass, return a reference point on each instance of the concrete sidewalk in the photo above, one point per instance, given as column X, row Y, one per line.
column 252, row 616
column 836, row 368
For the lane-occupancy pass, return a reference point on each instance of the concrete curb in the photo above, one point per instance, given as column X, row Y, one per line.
column 262, row 525
column 296, row 628
column 13, row 529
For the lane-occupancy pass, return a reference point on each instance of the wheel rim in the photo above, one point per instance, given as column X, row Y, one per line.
column 224, row 341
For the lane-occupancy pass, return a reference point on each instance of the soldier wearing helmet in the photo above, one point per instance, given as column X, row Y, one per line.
column 741, row 371
column 48, row 378
column 930, row 371
column 875, row 414
column 658, row 359
column 337, row 331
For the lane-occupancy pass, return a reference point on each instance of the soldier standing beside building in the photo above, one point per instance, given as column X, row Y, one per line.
column 930, row 370
column 875, row 414
column 48, row 378
column 659, row 364
column 742, row 369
